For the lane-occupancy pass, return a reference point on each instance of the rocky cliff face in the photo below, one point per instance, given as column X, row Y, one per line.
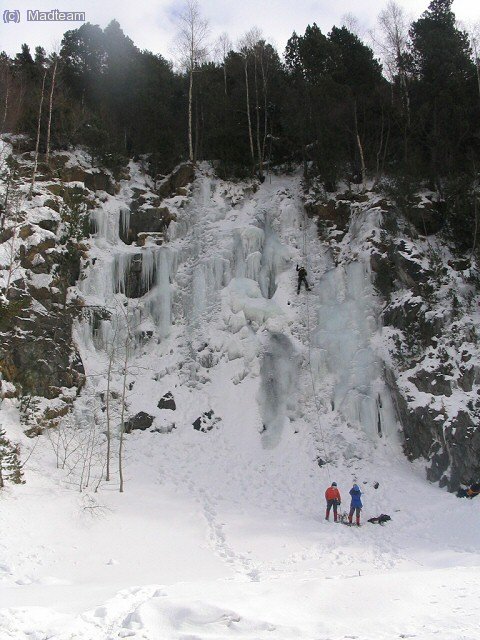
column 427, row 354
column 429, row 297
column 43, row 249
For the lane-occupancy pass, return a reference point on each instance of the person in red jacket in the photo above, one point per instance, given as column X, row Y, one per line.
column 332, row 496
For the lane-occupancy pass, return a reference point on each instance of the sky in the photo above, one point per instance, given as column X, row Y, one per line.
column 151, row 23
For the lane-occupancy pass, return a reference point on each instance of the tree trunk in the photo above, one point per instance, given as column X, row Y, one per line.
column 52, row 89
column 265, row 110
column 5, row 108
column 225, row 117
column 122, row 416
column 196, row 130
column 37, row 146
column 257, row 109
column 385, row 148
column 380, row 147
column 434, row 150
column 107, row 403
column 477, row 64
column 360, row 148
column 475, row 207
column 190, row 99
column 250, row 137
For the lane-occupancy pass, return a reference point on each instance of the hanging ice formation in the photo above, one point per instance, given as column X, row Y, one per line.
column 343, row 350
column 146, row 275
column 277, row 396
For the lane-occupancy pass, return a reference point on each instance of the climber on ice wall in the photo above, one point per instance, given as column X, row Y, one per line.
column 302, row 278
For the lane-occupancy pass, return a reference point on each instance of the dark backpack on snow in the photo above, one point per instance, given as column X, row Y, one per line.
column 381, row 519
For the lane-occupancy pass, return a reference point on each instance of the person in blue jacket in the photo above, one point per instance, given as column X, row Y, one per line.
column 356, row 504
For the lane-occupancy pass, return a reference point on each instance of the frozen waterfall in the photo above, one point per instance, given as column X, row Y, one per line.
column 223, row 283
column 279, row 373
column 343, row 351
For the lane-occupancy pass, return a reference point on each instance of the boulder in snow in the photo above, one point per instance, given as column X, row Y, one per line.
column 167, row 402
column 140, row 422
column 206, row 421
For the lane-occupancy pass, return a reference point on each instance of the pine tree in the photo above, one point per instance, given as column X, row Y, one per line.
column 443, row 91
column 10, row 468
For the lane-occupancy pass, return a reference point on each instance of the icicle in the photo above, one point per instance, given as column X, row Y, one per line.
column 121, row 266
column 253, row 266
column 274, row 259
column 159, row 303
column 149, row 261
column 125, row 221
column 253, row 239
column 97, row 221
column 278, row 375
column 238, row 256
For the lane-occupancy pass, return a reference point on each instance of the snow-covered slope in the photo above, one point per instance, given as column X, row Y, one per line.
column 220, row 531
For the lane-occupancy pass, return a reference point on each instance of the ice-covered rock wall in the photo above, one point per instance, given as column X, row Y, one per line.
column 219, row 289
column 144, row 279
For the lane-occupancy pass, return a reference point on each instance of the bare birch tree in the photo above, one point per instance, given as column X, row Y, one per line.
column 5, row 107
column 352, row 23
column 391, row 42
column 246, row 46
column 11, row 223
column 37, row 145
column 474, row 35
column 192, row 50
column 265, row 56
column 50, row 106
column 126, row 357
column 360, row 147
column 222, row 48
column 391, row 38
column 6, row 82
column 111, row 353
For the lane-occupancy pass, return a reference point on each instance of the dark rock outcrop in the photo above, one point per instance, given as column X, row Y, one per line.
column 93, row 180
column 412, row 317
column 433, row 382
column 139, row 422
column 152, row 219
column 100, row 181
column 383, row 272
column 462, row 440
column 180, row 177
column 332, row 211
column 427, row 217
column 167, row 402
column 206, row 421
column 49, row 225
column 38, row 355
column 147, row 215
